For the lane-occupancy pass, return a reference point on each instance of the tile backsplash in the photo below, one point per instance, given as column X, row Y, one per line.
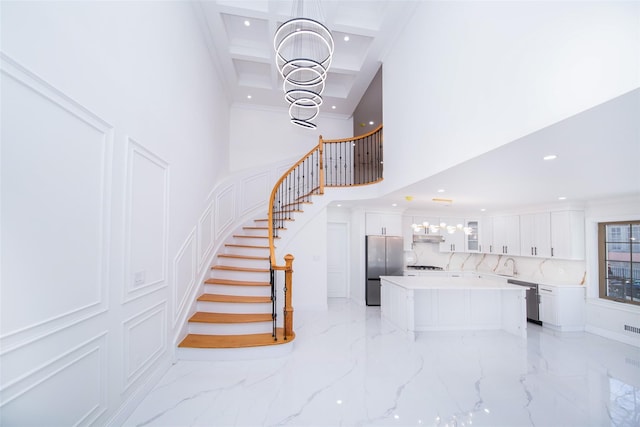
column 541, row 270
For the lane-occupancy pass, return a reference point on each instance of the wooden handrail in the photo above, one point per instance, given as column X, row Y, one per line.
column 373, row 152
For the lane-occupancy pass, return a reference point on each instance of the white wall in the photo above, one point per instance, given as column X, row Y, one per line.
column 114, row 134
column 466, row 77
column 603, row 317
column 260, row 136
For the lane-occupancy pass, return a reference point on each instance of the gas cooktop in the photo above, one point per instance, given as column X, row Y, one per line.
column 424, row 267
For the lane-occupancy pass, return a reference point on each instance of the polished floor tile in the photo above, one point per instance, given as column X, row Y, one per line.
column 350, row 368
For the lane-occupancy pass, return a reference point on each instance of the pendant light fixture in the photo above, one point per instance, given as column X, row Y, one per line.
column 304, row 50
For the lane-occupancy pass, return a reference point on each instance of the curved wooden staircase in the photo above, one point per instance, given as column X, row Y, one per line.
column 235, row 310
column 238, row 308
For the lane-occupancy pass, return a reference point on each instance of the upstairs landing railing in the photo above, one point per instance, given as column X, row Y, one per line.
column 332, row 163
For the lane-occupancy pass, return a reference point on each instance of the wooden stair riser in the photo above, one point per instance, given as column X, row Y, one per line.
column 251, row 240
column 255, row 231
column 240, row 275
column 229, row 328
column 260, row 291
column 225, row 307
column 243, row 262
column 247, row 250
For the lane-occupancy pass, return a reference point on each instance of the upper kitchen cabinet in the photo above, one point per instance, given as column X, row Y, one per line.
column 506, row 235
column 454, row 237
column 383, row 224
column 567, row 235
column 472, row 239
column 485, row 236
column 535, row 235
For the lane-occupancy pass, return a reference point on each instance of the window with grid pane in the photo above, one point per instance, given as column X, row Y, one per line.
column 619, row 253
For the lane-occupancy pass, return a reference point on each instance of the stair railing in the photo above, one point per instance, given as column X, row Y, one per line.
column 332, row 163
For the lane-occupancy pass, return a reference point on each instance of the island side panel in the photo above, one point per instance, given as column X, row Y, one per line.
column 514, row 312
column 394, row 305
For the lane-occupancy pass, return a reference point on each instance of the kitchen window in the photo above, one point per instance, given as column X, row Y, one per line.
column 619, row 257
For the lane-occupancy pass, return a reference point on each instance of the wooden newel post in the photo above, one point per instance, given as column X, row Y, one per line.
column 288, row 308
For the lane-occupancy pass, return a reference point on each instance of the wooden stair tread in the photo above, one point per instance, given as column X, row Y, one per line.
column 261, row 258
column 247, row 269
column 233, row 298
column 246, row 236
column 207, row 317
column 235, row 341
column 214, row 281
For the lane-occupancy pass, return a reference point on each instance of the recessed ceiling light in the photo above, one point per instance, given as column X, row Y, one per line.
column 562, row 198
column 333, row 107
column 550, row 157
column 483, row 210
column 394, row 204
column 441, row 190
column 249, row 96
column 247, row 23
column 371, row 122
column 346, row 38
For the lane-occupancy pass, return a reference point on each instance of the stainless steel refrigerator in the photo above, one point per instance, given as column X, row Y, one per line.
column 385, row 257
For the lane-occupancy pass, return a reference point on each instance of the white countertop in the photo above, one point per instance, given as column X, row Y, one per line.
column 451, row 283
column 546, row 282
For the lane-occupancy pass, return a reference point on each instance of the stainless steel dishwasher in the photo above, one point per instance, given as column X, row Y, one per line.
column 533, row 300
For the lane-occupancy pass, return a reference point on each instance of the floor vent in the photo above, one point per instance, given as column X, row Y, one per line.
column 632, row 329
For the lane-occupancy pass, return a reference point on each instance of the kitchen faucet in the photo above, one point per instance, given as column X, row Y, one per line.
column 514, row 265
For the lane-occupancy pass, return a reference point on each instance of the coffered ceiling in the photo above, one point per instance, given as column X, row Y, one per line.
column 240, row 34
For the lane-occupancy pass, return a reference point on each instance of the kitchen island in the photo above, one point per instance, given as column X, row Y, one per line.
column 417, row 304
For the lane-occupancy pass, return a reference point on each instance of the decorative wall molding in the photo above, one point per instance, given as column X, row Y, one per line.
column 255, row 191
column 154, row 190
column 144, row 342
column 184, row 274
column 206, row 236
column 225, row 203
column 19, row 82
column 21, row 402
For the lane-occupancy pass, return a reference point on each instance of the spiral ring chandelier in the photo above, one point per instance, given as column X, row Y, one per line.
column 304, row 50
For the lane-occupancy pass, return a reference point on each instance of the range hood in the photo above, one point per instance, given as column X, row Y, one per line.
column 428, row 238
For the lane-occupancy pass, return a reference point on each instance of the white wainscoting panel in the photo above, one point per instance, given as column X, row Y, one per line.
column 147, row 204
column 184, row 274
column 206, row 236
column 225, row 209
column 145, row 339
column 44, row 396
column 255, row 191
column 56, row 200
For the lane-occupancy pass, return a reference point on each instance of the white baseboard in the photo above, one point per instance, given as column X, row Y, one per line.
column 612, row 335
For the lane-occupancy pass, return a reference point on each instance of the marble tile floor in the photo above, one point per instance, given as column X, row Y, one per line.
column 349, row 367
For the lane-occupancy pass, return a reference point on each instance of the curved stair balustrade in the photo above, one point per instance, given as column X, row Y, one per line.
column 332, row 163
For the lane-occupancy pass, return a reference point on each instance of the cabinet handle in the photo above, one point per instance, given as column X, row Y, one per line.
column 490, row 249
column 536, row 250
column 546, row 290
column 531, row 250
column 551, row 251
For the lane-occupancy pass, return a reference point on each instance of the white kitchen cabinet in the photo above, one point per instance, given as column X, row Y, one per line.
column 562, row 307
column 506, row 235
column 472, row 242
column 383, row 224
column 567, row 235
column 535, row 235
column 485, row 236
column 453, row 242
